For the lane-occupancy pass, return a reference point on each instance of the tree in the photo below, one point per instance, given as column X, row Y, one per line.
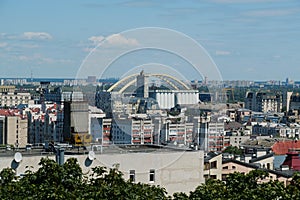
column 241, row 186
column 233, row 150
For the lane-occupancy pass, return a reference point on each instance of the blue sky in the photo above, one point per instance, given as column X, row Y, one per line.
column 247, row 39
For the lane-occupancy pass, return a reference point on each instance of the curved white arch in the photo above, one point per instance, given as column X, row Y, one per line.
column 173, row 78
column 164, row 77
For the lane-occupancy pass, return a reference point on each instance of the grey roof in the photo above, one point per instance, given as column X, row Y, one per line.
column 261, row 157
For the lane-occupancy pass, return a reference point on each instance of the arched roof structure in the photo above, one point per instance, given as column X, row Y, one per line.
column 173, row 82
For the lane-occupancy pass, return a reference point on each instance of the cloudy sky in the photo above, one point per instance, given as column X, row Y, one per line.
column 247, row 39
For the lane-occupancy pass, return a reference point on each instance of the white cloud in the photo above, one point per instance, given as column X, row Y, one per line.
column 96, row 39
column 37, row 35
column 118, row 39
column 114, row 40
column 3, row 44
column 222, row 53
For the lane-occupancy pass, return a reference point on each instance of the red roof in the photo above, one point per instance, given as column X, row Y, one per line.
column 292, row 160
column 283, row 147
column 9, row 112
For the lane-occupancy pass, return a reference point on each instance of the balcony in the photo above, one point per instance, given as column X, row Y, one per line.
column 136, row 141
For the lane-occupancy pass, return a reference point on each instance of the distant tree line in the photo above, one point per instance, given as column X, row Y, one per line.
column 52, row 181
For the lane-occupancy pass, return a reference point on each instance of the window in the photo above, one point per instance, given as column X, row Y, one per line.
column 233, row 167
column 213, row 165
column 132, row 175
column 213, row 176
column 152, row 175
column 225, row 167
column 206, row 166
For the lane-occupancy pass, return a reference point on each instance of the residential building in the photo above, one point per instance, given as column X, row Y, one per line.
column 264, row 101
column 135, row 130
column 211, row 134
column 13, row 99
column 76, row 126
column 13, row 128
column 45, row 126
column 174, row 170
column 231, row 165
column 294, row 102
column 94, row 123
column 213, row 166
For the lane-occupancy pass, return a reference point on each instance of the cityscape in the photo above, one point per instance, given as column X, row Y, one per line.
column 150, row 108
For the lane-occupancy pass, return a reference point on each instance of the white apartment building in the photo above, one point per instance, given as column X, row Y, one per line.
column 177, row 171
column 13, row 99
column 132, row 131
column 13, row 128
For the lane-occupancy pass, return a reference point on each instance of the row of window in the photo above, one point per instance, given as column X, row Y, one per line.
column 151, row 175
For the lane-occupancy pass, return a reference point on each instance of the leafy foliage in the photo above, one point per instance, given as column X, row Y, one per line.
column 250, row 186
column 233, row 150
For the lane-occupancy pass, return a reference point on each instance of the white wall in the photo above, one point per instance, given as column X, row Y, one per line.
column 176, row 171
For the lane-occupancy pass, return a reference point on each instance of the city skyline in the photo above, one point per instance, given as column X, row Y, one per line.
column 248, row 40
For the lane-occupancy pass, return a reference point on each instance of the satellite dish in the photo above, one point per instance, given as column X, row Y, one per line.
column 18, row 157
column 91, row 155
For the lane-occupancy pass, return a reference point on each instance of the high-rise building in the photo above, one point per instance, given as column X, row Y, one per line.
column 76, row 114
column 264, row 101
column 13, row 128
column 142, row 90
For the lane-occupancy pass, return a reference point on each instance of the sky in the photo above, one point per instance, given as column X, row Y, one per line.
column 246, row 39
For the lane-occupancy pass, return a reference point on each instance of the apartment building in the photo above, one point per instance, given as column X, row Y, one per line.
column 136, row 130
column 13, row 128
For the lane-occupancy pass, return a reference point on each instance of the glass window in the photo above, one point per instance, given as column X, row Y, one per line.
column 132, row 175
column 213, row 165
column 152, row 175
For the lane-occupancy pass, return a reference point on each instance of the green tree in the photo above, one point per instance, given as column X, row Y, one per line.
column 233, row 150
column 242, row 186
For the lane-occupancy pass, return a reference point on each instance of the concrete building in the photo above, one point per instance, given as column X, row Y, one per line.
column 264, row 101
column 106, row 131
column 7, row 88
column 142, row 90
column 231, row 165
column 76, row 116
column 294, row 102
column 169, row 98
column 211, row 134
column 267, row 129
column 45, row 126
column 13, row 99
column 265, row 161
column 177, row 171
column 103, row 101
column 13, row 128
column 213, row 166
column 177, row 133
column 135, row 130
column 235, row 140
column 95, row 123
